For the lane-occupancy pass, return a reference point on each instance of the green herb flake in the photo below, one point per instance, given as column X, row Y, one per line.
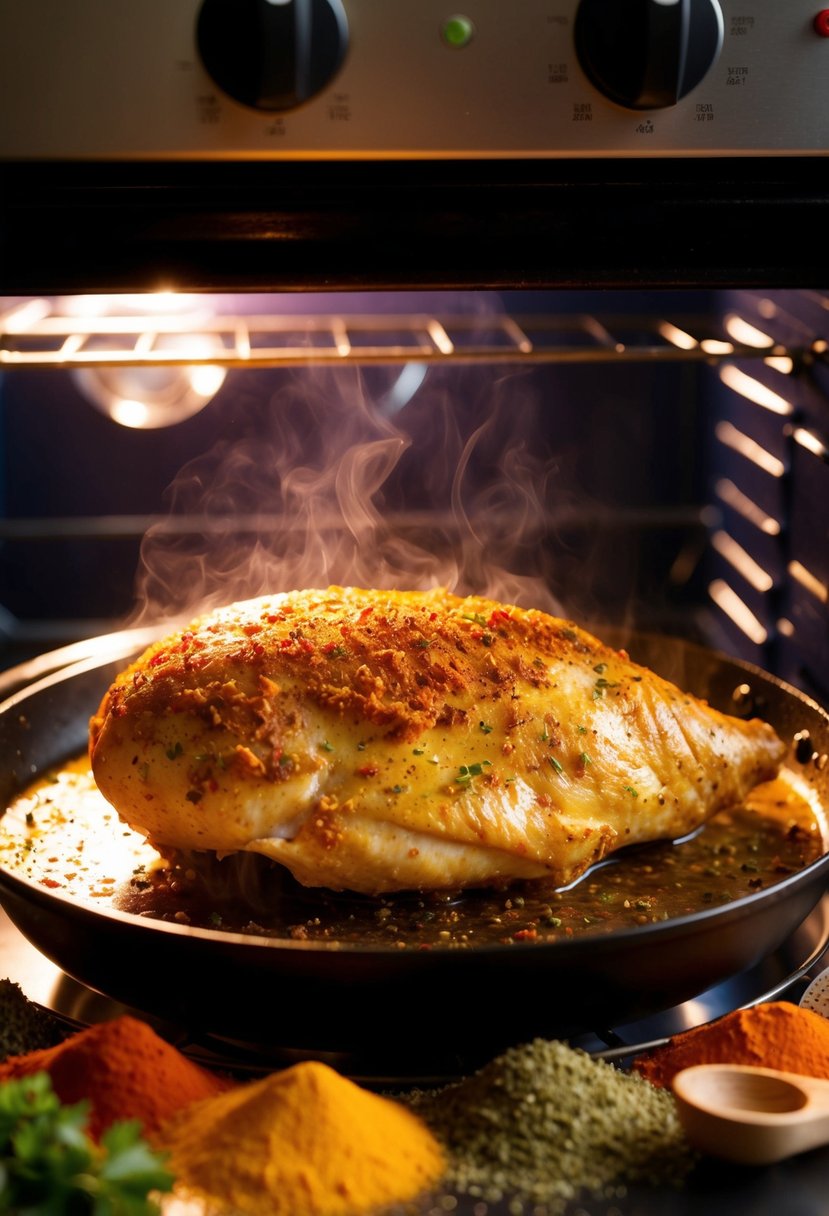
column 584, row 758
column 423, row 643
column 485, row 727
column 556, row 764
column 173, row 753
column 474, row 616
column 600, row 686
column 467, row 771
column 633, row 792
column 418, row 751
column 326, row 746
column 600, row 668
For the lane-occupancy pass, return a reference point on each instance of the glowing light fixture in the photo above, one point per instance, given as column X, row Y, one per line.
column 745, row 334
column 737, row 611
column 754, row 391
column 677, row 337
column 739, row 442
column 743, row 562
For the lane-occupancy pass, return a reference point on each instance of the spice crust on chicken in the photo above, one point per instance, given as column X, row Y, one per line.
column 386, row 740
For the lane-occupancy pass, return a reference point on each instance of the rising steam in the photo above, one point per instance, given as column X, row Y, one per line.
column 314, row 483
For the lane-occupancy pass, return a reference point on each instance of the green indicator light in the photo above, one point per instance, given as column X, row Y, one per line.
column 457, row 31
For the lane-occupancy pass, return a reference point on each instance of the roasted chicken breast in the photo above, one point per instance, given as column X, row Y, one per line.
column 385, row 740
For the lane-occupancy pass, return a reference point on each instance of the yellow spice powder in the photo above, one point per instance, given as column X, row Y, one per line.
column 303, row 1142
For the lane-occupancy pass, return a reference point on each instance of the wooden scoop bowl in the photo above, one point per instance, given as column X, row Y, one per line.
column 751, row 1115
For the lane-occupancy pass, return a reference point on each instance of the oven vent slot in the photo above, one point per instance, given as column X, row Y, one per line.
column 35, row 335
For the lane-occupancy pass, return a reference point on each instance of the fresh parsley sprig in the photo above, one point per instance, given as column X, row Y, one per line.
column 49, row 1165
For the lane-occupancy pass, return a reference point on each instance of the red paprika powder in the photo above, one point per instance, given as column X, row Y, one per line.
column 125, row 1070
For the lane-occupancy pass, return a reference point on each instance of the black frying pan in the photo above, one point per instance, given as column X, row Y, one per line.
column 456, row 1003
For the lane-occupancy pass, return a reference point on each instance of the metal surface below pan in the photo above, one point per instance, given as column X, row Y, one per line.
column 460, row 1004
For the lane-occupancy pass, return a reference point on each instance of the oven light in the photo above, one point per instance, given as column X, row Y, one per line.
column 809, row 581
column 714, row 346
column 145, row 398
column 745, row 334
column 754, row 391
column 676, row 336
column 780, row 363
column 737, row 611
column 129, row 413
column 729, row 435
column 734, row 497
column 810, row 442
column 742, row 562
column 206, row 380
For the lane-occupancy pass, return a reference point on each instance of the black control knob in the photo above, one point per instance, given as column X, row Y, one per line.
column 647, row 54
column 272, row 54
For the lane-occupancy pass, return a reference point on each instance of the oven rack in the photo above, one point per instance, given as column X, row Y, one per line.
column 32, row 335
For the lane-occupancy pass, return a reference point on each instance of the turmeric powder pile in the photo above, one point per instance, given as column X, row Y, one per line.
column 775, row 1035
column 303, row 1142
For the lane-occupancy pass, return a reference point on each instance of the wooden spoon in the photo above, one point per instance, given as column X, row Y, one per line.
column 751, row 1115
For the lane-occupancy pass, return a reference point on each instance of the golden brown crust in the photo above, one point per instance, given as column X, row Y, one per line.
column 396, row 660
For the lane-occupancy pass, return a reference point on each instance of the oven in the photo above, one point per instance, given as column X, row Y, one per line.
column 529, row 302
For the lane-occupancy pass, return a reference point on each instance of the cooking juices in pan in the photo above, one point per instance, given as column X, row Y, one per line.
column 62, row 834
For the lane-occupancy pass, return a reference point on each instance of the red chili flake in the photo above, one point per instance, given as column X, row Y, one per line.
column 525, row 935
column 497, row 615
column 258, row 649
column 139, row 679
column 250, row 630
column 286, row 643
column 161, row 657
column 433, row 616
column 305, row 645
column 368, row 770
column 366, row 612
column 273, row 617
column 49, row 882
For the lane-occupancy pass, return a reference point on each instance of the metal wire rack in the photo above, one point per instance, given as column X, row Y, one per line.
column 34, row 335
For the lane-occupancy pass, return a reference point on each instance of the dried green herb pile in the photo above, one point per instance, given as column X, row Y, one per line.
column 544, row 1121
column 24, row 1026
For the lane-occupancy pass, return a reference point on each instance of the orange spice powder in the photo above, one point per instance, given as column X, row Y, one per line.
column 775, row 1035
column 125, row 1070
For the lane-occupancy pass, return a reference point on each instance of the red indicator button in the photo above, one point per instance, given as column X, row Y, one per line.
column 822, row 23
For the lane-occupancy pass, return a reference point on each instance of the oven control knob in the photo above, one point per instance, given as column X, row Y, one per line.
column 272, row 54
column 647, row 54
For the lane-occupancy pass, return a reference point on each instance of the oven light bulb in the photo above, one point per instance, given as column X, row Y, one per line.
column 146, row 398
column 129, row 413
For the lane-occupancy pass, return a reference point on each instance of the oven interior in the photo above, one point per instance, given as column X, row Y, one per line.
column 655, row 460
column 638, row 460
